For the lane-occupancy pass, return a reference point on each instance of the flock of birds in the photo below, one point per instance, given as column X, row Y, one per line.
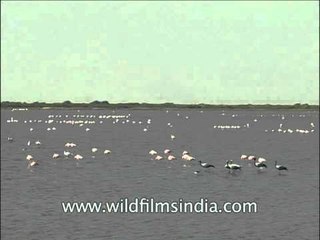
column 259, row 163
column 66, row 154
column 84, row 120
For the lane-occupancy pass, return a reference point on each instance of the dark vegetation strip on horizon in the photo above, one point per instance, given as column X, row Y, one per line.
column 106, row 104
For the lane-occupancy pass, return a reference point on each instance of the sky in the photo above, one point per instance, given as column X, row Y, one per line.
column 214, row 52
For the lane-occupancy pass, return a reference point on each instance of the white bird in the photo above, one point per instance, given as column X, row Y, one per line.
column 55, row 155
column 66, row 153
column 167, row 151
column 244, row 157
column 158, row 157
column 70, row 145
column 10, row 139
column 250, row 158
column 107, row 151
column 38, row 142
column 153, row 152
column 260, row 160
column 32, row 163
column 78, row 157
column 185, row 152
column 187, row 157
column 29, row 157
column 171, row 157
column 29, row 143
column 172, row 137
column 94, row 150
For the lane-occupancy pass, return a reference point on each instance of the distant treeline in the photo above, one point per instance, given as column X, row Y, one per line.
column 106, row 104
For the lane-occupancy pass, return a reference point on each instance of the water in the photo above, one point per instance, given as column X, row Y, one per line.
column 288, row 204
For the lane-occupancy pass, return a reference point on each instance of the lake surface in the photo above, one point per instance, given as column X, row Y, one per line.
column 288, row 203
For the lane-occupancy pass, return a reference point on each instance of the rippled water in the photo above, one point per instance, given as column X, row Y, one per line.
column 288, row 204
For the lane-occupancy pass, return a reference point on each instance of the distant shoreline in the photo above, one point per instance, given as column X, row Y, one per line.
column 106, row 105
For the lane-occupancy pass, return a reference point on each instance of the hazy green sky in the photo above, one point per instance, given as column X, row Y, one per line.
column 181, row 52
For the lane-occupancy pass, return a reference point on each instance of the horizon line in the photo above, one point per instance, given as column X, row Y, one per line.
column 153, row 103
column 106, row 104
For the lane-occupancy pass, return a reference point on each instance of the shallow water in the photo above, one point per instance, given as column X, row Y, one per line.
column 288, row 204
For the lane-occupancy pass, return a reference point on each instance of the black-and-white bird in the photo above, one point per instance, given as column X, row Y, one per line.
column 280, row 167
column 260, row 165
column 227, row 165
column 205, row 165
column 232, row 166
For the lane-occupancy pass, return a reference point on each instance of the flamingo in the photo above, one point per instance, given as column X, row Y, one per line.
column 94, row 150
column 32, row 163
column 78, row 157
column 158, row 157
column 106, row 151
column 70, row 145
column 261, row 160
column 66, row 153
column 153, row 152
column 167, row 151
column 185, row 152
column 187, row 157
column 244, row 157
